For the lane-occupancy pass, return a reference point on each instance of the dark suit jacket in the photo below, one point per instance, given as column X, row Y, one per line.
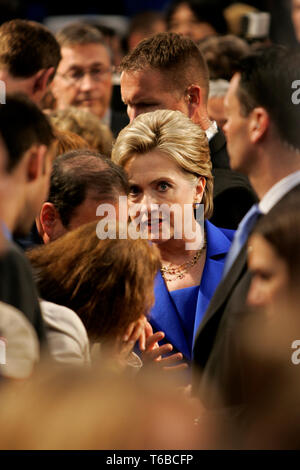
column 17, row 287
column 233, row 194
column 118, row 121
column 216, row 349
column 164, row 315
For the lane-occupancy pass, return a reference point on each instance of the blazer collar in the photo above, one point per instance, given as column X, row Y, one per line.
column 217, row 243
column 164, row 316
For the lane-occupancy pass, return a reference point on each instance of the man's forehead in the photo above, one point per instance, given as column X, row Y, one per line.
column 142, row 84
column 84, row 54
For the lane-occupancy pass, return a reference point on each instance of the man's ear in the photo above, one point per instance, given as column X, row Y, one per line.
column 49, row 222
column 258, row 124
column 194, row 98
column 41, row 81
column 36, row 161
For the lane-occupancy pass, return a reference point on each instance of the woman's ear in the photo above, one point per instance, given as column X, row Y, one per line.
column 199, row 189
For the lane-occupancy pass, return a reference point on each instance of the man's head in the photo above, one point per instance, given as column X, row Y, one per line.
column 84, row 75
column 29, row 57
column 260, row 109
column 26, row 137
column 166, row 71
column 80, row 181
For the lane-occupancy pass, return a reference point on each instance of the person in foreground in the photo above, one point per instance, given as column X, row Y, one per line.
column 266, row 336
column 263, row 143
column 107, row 282
column 166, row 157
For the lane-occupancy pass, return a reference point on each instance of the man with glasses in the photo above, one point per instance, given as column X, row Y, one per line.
column 84, row 75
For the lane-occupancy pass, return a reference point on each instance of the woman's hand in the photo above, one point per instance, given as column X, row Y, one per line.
column 137, row 331
column 154, row 353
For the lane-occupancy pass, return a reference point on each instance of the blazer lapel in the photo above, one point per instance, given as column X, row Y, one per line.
column 164, row 317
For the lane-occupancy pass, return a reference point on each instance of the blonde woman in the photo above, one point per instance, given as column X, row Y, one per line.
column 166, row 157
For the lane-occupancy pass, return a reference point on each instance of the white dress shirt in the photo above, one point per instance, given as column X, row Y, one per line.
column 279, row 190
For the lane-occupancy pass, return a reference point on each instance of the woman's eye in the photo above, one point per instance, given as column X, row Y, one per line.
column 163, row 186
column 133, row 190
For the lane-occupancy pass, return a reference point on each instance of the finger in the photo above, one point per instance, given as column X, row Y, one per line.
column 153, row 339
column 155, row 354
column 172, row 359
column 182, row 366
column 126, row 348
column 129, row 331
column 136, row 333
column 148, row 329
column 142, row 340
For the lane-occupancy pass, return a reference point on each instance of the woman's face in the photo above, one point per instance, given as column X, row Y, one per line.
column 183, row 21
column 159, row 191
column 270, row 274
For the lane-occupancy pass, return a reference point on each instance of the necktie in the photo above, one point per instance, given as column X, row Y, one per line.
column 241, row 236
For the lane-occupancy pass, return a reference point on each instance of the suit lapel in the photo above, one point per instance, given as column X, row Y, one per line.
column 225, row 287
column 216, row 144
column 164, row 317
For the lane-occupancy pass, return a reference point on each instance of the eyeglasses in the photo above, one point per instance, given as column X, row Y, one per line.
column 97, row 74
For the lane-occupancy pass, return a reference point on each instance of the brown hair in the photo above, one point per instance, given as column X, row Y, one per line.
column 223, row 55
column 27, row 47
column 65, row 141
column 175, row 56
column 85, row 124
column 80, row 33
column 108, row 283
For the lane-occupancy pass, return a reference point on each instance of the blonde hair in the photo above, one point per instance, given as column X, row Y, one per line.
column 85, row 124
column 174, row 134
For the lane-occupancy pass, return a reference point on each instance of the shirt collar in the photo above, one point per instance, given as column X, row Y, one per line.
column 279, row 190
column 212, row 130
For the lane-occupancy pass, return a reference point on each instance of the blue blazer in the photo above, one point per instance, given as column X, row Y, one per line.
column 164, row 315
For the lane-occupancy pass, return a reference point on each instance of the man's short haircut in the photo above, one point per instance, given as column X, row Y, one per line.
column 175, row 56
column 266, row 79
column 22, row 124
column 77, row 173
column 223, row 55
column 80, row 34
column 27, row 47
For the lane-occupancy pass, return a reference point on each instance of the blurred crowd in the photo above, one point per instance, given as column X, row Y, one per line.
column 150, row 225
